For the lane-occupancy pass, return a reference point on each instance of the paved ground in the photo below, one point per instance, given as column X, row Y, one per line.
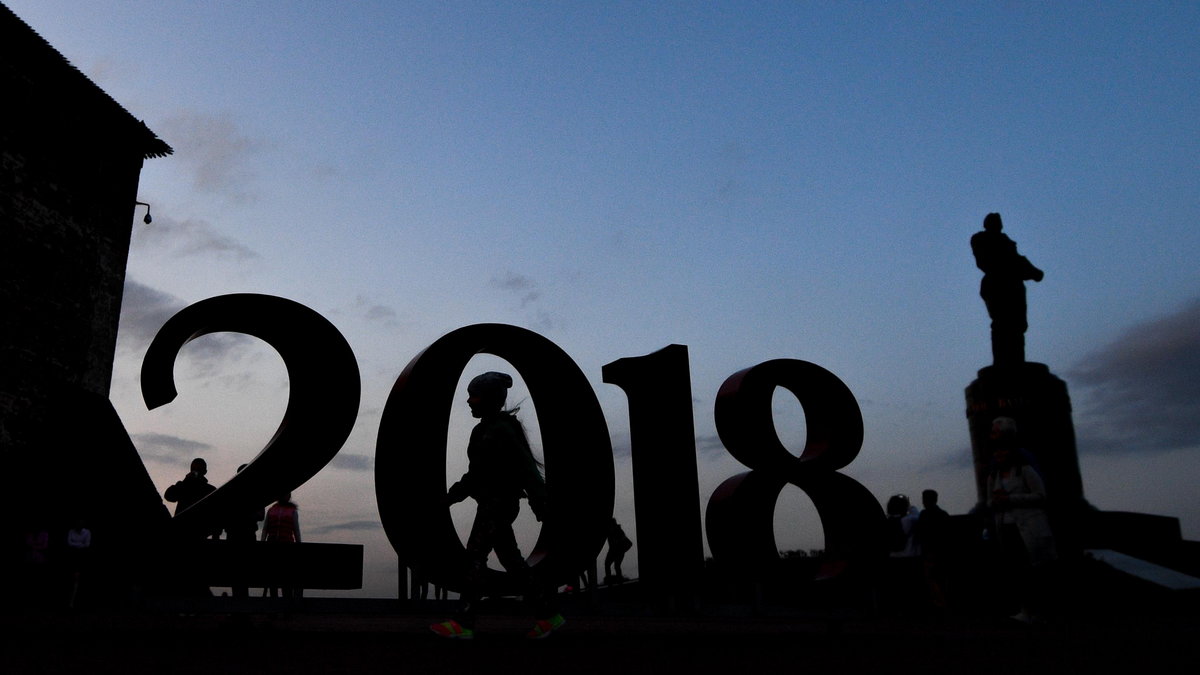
column 376, row 639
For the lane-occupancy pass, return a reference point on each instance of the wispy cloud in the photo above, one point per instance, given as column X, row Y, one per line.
column 948, row 458
column 518, row 284
column 1142, row 392
column 375, row 312
column 189, row 237
column 168, row 449
column 380, row 313
column 710, row 446
column 349, row 526
column 143, row 311
column 350, row 462
column 707, row 447
column 528, row 295
column 215, row 151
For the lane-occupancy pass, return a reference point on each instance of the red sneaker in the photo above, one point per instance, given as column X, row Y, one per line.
column 453, row 630
column 543, row 627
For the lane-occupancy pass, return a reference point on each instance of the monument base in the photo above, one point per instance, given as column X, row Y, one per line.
column 1030, row 394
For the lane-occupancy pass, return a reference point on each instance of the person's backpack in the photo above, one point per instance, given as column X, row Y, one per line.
column 623, row 541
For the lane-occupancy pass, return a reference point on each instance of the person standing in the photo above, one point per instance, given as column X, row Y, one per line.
column 902, row 527
column 618, row 544
column 282, row 525
column 283, row 521
column 933, row 533
column 79, row 543
column 191, row 489
column 187, row 492
column 1017, row 499
column 242, row 530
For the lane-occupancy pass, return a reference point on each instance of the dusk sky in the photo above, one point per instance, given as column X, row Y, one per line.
column 752, row 180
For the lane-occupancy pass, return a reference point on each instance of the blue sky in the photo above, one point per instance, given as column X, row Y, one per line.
column 753, row 180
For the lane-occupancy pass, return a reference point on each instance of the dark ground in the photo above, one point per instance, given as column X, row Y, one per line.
column 331, row 636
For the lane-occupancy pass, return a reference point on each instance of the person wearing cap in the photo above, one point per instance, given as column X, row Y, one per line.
column 501, row 471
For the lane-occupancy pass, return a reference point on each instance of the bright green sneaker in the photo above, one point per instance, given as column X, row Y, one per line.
column 453, row 630
column 544, row 627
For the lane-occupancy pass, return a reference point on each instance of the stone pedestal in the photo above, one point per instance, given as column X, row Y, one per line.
column 1038, row 401
column 1030, row 394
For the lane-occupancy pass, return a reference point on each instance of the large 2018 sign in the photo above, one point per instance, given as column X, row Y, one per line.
column 410, row 473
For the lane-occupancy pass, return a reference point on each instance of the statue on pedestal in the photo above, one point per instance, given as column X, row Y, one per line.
column 1014, row 393
column 1013, row 388
column 1003, row 289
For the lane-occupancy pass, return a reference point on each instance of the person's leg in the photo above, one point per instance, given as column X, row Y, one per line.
column 479, row 543
column 1016, row 566
column 540, row 596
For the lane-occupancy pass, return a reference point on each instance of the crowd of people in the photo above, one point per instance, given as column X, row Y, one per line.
column 924, row 548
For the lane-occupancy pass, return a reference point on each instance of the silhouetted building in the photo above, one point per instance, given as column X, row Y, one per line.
column 70, row 161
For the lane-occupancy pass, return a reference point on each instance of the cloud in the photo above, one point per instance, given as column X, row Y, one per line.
column 707, row 447
column 375, row 313
column 350, row 462
column 215, row 151
column 528, row 296
column 710, row 446
column 380, row 313
column 144, row 310
column 519, row 285
column 167, row 449
column 349, row 526
column 189, row 237
column 1142, row 392
column 228, row 357
column 959, row 457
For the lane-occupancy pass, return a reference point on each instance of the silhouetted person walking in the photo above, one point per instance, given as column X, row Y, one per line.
column 1003, row 289
column 501, row 470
